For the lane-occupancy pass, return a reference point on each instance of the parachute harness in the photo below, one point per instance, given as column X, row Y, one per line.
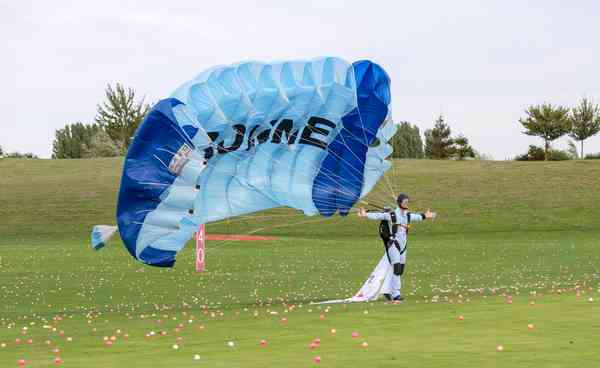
column 388, row 230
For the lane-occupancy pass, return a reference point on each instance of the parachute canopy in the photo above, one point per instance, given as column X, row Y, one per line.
column 101, row 234
column 310, row 135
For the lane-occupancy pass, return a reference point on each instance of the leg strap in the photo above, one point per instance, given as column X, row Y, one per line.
column 398, row 269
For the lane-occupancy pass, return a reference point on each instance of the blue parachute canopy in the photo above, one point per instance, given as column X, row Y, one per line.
column 101, row 234
column 311, row 135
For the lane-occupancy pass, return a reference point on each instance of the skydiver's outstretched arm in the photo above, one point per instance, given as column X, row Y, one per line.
column 373, row 215
column 420, row 216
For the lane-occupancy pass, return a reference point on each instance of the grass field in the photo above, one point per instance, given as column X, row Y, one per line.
column 515, row 243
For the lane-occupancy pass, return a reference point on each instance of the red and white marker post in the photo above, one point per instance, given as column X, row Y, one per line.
column 200, row 248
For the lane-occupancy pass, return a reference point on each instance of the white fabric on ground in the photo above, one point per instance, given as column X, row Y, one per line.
column 381, row 281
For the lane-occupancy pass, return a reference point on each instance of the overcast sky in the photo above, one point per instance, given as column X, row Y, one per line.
column 480, row 63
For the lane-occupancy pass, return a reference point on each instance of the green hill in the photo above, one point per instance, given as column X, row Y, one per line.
column 524, row 230
column 62, row 199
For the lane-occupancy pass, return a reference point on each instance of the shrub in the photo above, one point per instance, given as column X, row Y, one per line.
column 535, row 153
column 593, row 156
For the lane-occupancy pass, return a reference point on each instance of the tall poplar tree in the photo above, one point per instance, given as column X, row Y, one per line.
column 120, row 115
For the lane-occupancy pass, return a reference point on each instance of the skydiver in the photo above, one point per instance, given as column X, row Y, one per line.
column 393, row 230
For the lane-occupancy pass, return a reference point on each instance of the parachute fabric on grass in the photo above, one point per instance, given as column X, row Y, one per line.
column 310, row 135
column 101, row 234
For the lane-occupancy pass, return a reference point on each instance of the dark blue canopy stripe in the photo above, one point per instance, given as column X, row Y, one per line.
column 145, row 177
column 338, row 183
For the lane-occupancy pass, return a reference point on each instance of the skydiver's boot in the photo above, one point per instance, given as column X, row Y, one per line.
column 387, row 297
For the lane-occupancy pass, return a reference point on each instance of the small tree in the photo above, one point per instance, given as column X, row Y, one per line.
column 547, row 122
column 1, row 151
column 101, row 146
column 585, row 121
column 407, row 142
column 535, row 153
column 462, row 148
column 121, row 115
column 438, row 143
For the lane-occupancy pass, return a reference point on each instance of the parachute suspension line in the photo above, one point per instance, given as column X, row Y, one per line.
column 333, row 177
column 296, row 223
column 161, row 161
column 257, row 230
column 395, row 172
column 363, row 125
column 337, row 181
column 348, row 147
column 328, row 150
column 252, row 217
column 353, row 153
column 222, row 243
column 153, row 225
column 373, row 205
column 156, row 184
column 390, row 187
column 366, row 142
column 278, row 161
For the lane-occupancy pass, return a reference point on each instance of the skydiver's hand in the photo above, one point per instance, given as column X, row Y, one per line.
column 362, row 212
column 430, row 215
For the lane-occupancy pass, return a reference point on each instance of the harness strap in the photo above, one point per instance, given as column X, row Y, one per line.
column 394, row 243
column 394, row 229
column 393, row 223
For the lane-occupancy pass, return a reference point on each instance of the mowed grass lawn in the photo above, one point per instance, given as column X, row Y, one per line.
column 515, row 244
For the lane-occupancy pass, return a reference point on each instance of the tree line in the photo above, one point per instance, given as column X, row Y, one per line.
column 551, row 122
column 439, row 143
column 16, row 154
column 120, row 114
